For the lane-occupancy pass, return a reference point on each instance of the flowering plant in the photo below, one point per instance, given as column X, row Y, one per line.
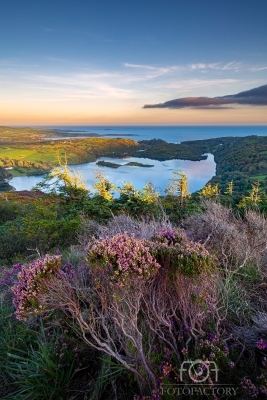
column 172, row 248
column 261, row 344
column 31, row 282
column 125, row 255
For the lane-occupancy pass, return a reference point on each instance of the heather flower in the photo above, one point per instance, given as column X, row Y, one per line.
column 170, row 236
column 262, row 344
column 263, row 390
column 166, row 369
column 173, row 248
column 68, row 270
column 187, row 330
column 17, row 267
column 249, row 388
column 125, row 255
column 211, row 337
column 31, row 282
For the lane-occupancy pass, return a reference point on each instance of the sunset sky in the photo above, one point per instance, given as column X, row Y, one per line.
column 87, row 62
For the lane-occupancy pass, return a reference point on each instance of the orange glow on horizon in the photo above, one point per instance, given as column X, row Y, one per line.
column 237, row 116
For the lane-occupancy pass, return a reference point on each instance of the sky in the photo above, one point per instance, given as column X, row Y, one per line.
column 87, row 62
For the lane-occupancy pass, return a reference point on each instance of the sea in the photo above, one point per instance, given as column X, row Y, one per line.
column 171, row 134
column 198, row 172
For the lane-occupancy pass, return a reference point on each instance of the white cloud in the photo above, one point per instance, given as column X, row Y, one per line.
column 256, row 69
column 233, row 65
column 83, row 86
column 188, row 84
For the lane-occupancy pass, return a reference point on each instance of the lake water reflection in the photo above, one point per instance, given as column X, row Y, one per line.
column 198, row 172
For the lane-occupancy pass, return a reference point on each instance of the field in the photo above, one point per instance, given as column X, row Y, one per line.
column 29, row 151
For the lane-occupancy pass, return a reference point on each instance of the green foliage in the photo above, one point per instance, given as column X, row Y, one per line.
column 46, row 228
column 209, row 191
column 178, row 196
column 253, row 199
column 109, row 371
column 33, row 365
column 7, row 211
column 138, row 202
column 230, row 188
column 98, row 208
column 13, row 245
column 35, row 225
column 108, row 164
column 64, row 181
column 174, row 251
column 4, row 176
column 178, row 185
column 157, row 149
column 36, row 374
column 104, row 187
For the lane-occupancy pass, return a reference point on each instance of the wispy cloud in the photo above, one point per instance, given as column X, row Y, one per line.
column 257, row 69
column 186, row 85
column 81, row 85
column 98, row 37
column 233, row 65
column 253, row 97
column 149, row 67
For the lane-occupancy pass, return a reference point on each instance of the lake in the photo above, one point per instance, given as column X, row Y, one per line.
column 198, row 172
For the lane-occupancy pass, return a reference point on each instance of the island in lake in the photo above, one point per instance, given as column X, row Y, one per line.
column 109, row 164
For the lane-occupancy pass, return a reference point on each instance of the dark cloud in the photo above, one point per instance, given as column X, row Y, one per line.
column 253, row 97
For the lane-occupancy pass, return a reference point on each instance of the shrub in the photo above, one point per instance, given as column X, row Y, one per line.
column 172, row 247
column 12, row 246
column 240, row 246
column 31, row 284
column 7, row 211
column 124, row 255
column 124, row 302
